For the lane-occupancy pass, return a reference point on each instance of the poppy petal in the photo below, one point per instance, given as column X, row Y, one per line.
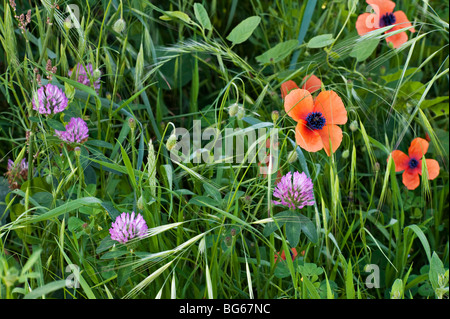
column 401, row 160
column 401, row 21
column 366, row 22
column 331, row 107
column 433, row 168
column 312, row 83
column 418, row 147
column 397, row 39
column 298, row 103
column 286, row 87
column 331, row 134
column 381, row 7
column 410, row 180
column 306, row 138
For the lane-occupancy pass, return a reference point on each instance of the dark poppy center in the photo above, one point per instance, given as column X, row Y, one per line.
column 315, row 120
column 387, row 19
column 413, row 163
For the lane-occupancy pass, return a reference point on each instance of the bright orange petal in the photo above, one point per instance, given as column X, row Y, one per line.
column 286, row 87
column 367, row 22
column 401, row 21
column 312, row 83
column 331, row 107
column 306, row 138
column 398, row 39
column 401, row 160
column 381, row 7
column 298, row 103
column 418, row 147
column 410, row 180
column 330, row 134
column 433, row 168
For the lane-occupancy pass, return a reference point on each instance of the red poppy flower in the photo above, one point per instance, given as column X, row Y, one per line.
column 317, row 119
column 412, row 163
column 384, row 16
column 311, row 83
column 283, row 255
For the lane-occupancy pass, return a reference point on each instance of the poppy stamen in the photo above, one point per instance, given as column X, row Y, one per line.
column 413, row 163
column 315, row 120
column 387, row 20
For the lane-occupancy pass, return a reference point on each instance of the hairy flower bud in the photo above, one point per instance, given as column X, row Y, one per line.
column 119, row 25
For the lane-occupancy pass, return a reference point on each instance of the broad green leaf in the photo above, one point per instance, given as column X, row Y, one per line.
column 202, row 16
column 278, row 52
column 243, row 30
column 320, row 41
column 364, row 48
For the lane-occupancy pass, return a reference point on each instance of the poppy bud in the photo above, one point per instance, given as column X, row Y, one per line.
column 119, row 25
column 354, row 126
column 171, row 142
column 345, row 154
column 232, row 111
column 97, row 74
column 275, row 116
column 292, row 157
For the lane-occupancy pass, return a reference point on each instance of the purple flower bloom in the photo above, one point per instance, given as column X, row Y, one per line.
column 127, row 227
column 294, row 191
column 49, row 99
column 83, row 77
column 76, row 131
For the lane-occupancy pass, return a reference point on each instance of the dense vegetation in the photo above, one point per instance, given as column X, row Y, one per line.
column 90, row 98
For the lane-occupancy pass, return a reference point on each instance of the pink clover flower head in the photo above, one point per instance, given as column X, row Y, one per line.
column 294, row 191
column 84, row 77
column 76, row 131
column 49, row 99
column 128, row 226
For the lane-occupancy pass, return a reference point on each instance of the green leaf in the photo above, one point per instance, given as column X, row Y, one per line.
column 89, row 90
column 419, row 233
column 436, row 269
column 65, row 208
column 56, row 125
column 46, row 289
column 363, row 49
column 310, row 287
column 129, row 167
column 170, row 15
column 309, row 229
column 202, row 16
column 320, row 41
column 204, row 201
column 349, row 288
column 99, row 143
column 395, row 76
column 75, row 224
column 278, row 52
column 243, row 30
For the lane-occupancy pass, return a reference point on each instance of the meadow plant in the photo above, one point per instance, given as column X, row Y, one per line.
column 319, row 129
